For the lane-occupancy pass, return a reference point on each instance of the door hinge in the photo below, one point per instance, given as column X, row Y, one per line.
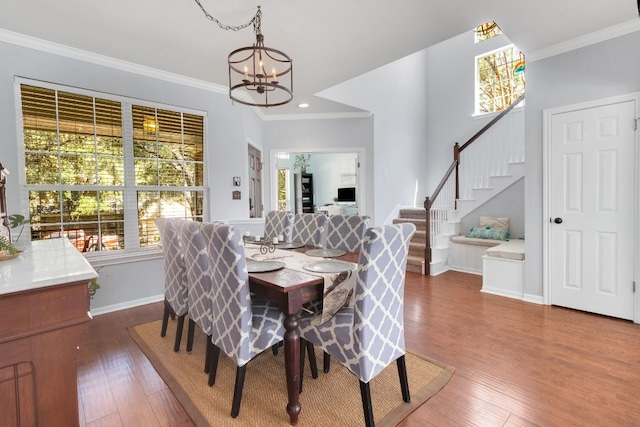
column 635, row 124
column 634, row 287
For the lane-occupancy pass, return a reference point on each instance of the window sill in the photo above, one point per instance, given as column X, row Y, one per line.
column 98, row 260
column 482, row 116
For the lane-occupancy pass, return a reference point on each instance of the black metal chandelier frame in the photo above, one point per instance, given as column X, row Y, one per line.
column 259, row 76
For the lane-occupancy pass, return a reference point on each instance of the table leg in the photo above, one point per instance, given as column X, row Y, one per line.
column 292, row 366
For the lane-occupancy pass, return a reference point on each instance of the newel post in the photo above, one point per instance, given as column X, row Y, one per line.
column 427, row 247
column 456, row 158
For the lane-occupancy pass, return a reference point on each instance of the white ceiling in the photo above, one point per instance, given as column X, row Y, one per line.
column 330, row 41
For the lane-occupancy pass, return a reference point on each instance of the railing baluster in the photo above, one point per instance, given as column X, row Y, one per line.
column 472, row 167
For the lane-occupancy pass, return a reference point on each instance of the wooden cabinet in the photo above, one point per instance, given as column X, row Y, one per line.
column 44, row 315
column 306, row 192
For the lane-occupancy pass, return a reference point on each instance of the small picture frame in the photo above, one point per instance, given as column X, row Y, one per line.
column 236, row 181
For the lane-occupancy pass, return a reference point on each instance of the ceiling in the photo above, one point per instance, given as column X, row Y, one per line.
column 330, row 41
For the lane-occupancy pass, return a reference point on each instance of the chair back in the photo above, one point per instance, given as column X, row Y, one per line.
column 378, row 317
column 346, row 232
column 231, row 299
column 175, row 282
column 309, row 228
column 197, row 264
column 278, row 223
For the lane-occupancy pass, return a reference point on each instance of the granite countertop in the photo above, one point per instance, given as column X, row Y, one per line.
column 44, row 263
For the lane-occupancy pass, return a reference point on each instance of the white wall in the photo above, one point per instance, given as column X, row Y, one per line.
column 598, row 71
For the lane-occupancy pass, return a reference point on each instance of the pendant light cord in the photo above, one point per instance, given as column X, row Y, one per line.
column 255, row 20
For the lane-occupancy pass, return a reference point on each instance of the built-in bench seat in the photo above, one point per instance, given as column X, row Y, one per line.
column 503, row 269
column 465, row 253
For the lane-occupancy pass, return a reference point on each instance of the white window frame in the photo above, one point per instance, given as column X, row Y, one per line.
column 476, row 100
column 133, row 251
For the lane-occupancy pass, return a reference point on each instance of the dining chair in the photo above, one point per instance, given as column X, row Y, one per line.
column 175, row 282
column 197, row 264
column 369, row 335
column 242, row 327
column 346, row 232
column 309, row 228
column 278, row 223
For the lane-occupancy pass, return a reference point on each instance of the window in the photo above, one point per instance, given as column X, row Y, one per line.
column 499, row 79
column 283, row 189
column 99, row 169
column 486, row 31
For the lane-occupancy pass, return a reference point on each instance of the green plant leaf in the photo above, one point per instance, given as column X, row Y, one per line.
column 17, row 219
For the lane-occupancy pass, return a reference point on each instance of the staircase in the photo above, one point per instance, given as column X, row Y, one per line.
column 479, row 171
column 418, row 244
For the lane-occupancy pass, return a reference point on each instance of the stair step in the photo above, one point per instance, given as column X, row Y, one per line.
column 421, row 224
column 417, row 213
column 415, row 264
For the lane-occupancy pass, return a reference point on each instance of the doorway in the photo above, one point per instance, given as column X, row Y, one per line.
column 329, row 171
column 591, row 195
column 255, row 182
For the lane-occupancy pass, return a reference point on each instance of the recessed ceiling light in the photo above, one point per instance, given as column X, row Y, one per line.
column 303, row 105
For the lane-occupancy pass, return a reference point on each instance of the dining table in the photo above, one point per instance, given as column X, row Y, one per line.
column 291, row 288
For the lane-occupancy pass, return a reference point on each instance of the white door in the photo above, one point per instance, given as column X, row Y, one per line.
column 591, row 185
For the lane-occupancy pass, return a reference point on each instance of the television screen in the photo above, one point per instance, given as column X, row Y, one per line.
column 347, row 194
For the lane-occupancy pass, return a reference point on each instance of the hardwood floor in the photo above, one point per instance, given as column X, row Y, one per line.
column 517, row 364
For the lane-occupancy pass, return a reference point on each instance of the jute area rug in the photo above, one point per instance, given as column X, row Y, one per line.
column 331, row 399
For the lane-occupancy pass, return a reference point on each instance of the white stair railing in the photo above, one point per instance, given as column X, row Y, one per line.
column 491, row 154
column 486, row 154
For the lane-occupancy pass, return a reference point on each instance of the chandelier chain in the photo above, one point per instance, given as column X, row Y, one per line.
column 255, row 20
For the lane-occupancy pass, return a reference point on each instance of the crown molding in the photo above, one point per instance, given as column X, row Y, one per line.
column 314, row 116
column 106, row 61
column 586, row 40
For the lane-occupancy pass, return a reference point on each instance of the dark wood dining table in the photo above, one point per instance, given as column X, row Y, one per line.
column 290, row 289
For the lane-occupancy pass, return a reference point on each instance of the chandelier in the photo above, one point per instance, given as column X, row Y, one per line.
column 259, row 76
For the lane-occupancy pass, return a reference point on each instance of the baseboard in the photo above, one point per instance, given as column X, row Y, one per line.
column 127, row 304
column 502, row 293
column 465, row 270
column 536, row 299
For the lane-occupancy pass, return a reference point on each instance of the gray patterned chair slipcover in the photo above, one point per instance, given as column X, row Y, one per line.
column 196, row 261
column 346, row 232
column 308, row 228
column 242, row 327
column 368, row 336
column 278, row 223
column 175, row 281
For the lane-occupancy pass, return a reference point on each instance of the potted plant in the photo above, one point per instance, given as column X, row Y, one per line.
column 302, row 162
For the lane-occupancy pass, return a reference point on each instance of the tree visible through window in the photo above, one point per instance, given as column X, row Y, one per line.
column 500, row 79
column 283, row 193
column 499, row 74
column 98, row 171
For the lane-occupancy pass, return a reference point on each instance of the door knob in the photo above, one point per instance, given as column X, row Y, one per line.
column 558, row 220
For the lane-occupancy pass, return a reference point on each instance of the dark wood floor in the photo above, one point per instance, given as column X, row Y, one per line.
column 517, row 364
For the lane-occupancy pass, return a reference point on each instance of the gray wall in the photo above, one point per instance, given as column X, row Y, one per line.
column 396, row 94
column 229, row 128
column 450, row 76
column 509, row 203
column 602, row 70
